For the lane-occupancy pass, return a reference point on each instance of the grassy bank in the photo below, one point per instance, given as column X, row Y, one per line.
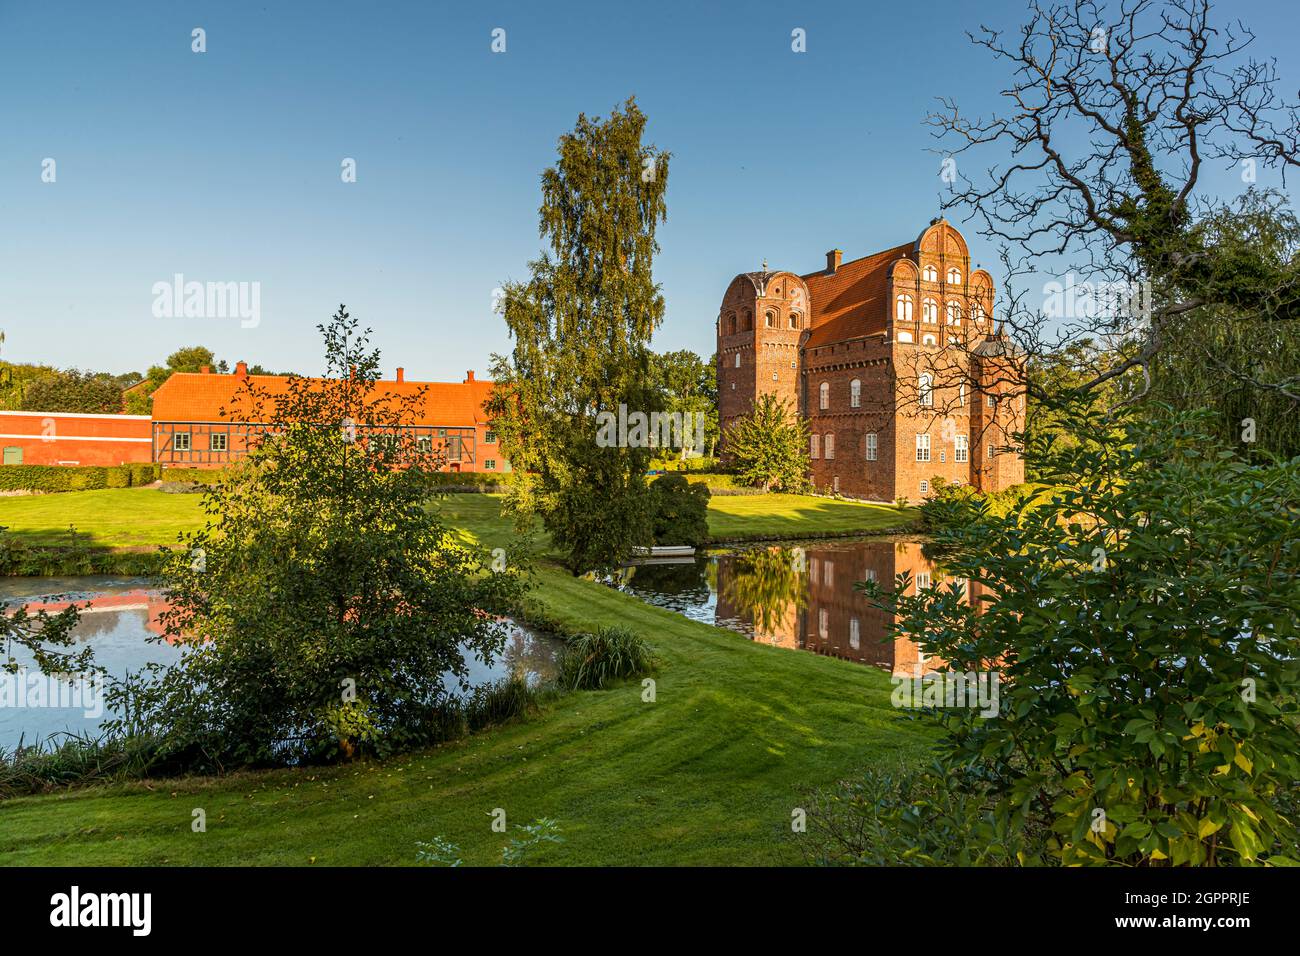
column 119, row 518
column 709, row 773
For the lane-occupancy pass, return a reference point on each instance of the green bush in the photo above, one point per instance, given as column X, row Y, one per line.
column 1141, row 611
column 908, row 816
column 590, row 661
column 499, row 703
column 679, row 511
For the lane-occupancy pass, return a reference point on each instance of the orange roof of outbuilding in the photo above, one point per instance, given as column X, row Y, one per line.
column 200, row 396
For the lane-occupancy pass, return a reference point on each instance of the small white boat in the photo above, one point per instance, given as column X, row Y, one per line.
column 665, row 551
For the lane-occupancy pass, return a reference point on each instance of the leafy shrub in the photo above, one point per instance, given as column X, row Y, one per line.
column 1142, row 612
column 58, row 478
column 680, row 511
column 907, row 816
column 67, row 760
column 590, row 661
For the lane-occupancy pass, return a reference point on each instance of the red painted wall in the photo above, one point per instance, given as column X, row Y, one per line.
column 58, row 438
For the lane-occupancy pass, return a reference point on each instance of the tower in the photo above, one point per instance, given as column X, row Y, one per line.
column 761, row 324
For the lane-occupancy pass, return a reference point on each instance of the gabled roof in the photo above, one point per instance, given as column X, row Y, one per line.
column 199, row 397
column 853, row 300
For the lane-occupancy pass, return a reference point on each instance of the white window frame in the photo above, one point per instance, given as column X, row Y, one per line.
column 925, row 390
column 962, row 450
column 873, row 446
column 814, row 445
column 923, row 447
column 855, row 393
column 824, row 396
column 828, row 447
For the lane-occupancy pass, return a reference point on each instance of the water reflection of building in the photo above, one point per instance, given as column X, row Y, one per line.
column 819, row 609
column 99, row 614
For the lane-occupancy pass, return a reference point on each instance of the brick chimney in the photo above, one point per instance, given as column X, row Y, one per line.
column 401, row 374
column 206, row 370
column 833, row 260
column 241, row 370
column 469, row 376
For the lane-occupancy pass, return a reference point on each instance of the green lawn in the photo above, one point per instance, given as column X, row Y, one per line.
column 134, row 517
column 109, row 517
column 709, row 773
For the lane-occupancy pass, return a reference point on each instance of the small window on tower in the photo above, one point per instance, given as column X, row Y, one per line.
column 737, row 360
column 771, row 320
column 794, row 320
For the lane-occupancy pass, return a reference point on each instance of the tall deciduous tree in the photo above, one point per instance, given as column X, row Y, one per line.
column 582, row 326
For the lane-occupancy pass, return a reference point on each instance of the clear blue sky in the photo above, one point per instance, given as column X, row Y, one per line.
column 225, row 166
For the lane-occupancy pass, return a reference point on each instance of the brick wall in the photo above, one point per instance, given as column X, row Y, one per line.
column 59, row 438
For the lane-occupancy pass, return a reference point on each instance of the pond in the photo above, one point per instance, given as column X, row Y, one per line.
column 123, row 615
column 795, row 596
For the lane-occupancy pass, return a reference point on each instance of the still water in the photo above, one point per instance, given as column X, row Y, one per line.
column 803, row 599
column 123, row 615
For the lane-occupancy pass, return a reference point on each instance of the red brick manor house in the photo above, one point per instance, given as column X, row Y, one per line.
column 893, row 358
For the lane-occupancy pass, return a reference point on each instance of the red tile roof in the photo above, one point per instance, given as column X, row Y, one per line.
column 199, row 397
column 854, row 300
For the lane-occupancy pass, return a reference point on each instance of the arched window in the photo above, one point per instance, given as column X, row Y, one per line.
column 954, row 277
column 904, row 336
column 771, row 319
column 929, row 311
column 855, row 393
column 748, row 322
column 930, row 274
column 814, row 447
column 828, row 446
column 954, row 313
column 794, row 320
column 928, row 339
column 961, row 395
column 925, row 390
column 824, row 396
column 903, row 309
column 737, row 360
column 731, row 323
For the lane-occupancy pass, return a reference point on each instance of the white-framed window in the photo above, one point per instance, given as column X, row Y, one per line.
column 991, row 399
column 871, row 574
column 814, row 446
column 824, row 396
column 977, row 313
column 930, row 311
column 954, row 276
column 855, row 393
column 961, row 395
column 871, row 446
column 922, row 447
column 737, row 360
column 943, row 454
column 904, row 336
column 181, row 441
column 823, row 623
column 930, row 274
column 855, row 634
column 954, row 313
column 489, row 437
column 217, row 442
column 490, row 464
column 992, row 453
column 925, row 390
column 424, row 444
column 925, row 486
column 828, row 446
column 962, row 449
column 903, row 309
column 929, row 340
column 835, row 484
column 922, row 581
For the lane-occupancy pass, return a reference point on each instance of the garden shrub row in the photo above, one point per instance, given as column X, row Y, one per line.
column 57, row 478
